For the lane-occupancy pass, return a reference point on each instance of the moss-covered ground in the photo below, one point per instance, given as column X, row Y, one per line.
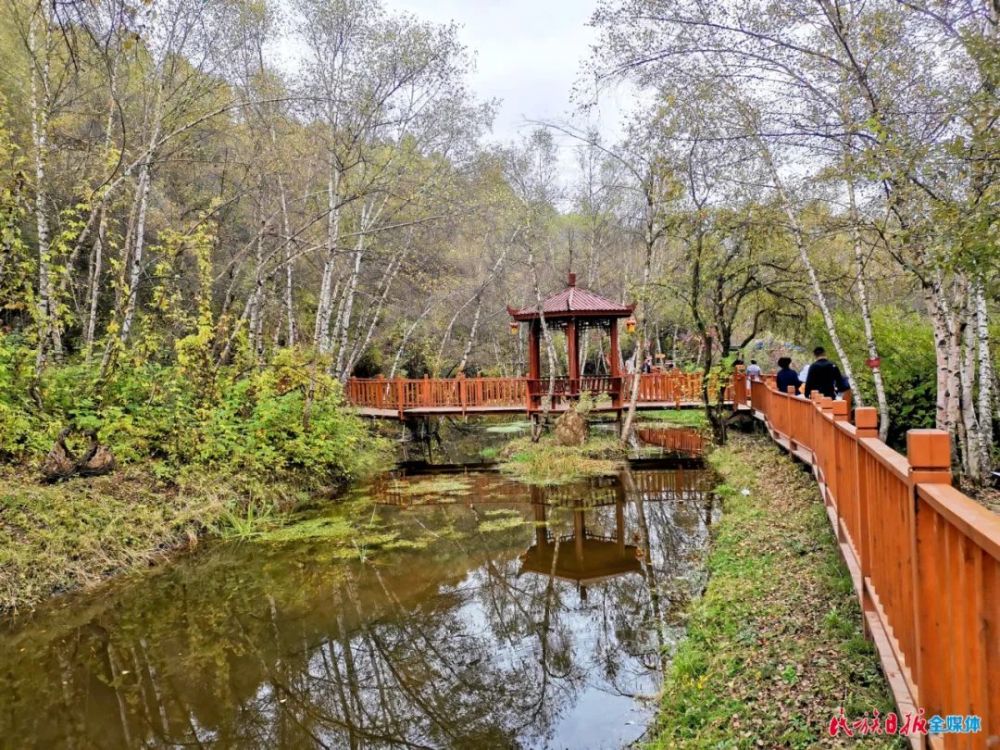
column 775, row 645
column 546, row 462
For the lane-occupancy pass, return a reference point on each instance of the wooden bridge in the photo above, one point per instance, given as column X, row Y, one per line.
column 924, row 558
column 401, row 397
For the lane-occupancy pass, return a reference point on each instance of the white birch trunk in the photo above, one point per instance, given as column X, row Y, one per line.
column 352, row 286
column 406, row 338
column 289, row 298
column 633, row 396
column 359, row 348
column 142, row 194
column 986, row 377
column 93, row 285
column 324, row 309
column 135, row 266
column 941, row 337
column 472, row 335
column 972, row 453
column 866, row 316
column 40, row 104
column 798, row 234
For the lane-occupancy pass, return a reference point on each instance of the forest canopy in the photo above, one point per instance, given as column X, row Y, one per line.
column 198, row 240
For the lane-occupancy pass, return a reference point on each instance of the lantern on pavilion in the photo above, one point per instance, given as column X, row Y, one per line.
column 630, row 324
column 514, row 327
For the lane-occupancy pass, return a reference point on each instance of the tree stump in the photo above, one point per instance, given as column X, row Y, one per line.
column 61, row 464
column 571, row 429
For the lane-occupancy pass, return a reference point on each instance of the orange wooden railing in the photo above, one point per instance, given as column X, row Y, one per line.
column 925, row 559
column 674, row 440
column 401, row 395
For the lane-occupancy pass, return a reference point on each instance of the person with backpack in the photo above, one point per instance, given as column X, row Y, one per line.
column 824, row 376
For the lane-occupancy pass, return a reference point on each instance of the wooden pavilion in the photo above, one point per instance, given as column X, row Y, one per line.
column 572, row 310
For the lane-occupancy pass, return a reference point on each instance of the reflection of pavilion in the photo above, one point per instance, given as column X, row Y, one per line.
column 582, row 557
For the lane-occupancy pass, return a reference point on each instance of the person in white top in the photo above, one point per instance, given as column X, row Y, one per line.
column 754, row 371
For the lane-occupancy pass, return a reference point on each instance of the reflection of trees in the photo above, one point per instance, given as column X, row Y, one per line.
column 286, row 647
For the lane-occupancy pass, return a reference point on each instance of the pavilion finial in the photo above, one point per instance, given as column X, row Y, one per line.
column 572, row 279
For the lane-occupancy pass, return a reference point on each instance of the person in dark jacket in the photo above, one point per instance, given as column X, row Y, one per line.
column 786, row 375
column 824, row 376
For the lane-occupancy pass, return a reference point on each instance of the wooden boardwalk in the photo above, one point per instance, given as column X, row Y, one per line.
column 400, row 398
column 923, row 557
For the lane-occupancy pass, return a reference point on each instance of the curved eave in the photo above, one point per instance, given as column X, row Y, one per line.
column 532, row 314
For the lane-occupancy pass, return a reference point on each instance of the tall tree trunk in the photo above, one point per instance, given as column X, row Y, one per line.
column 799, row 236
column 472, row 335
column 94, row 284
column 939, row 323
column 547, row 337
column 647, row 265
column 324, row 308
column 142, row 198
column 406, row 337
column 352, row 286
column 972, row 453
column 256, row 302
column 289, row 298
column 48, row 326
column 986, row 376
column 359, row 348
column 135, row 265
column 866, row 315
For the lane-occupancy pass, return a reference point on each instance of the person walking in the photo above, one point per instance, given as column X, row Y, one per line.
column 824, row 376
column 753, row 371
column 786, row 376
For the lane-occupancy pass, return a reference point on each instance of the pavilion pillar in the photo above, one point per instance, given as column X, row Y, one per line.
column 615, row 367
column 534, row 369
column 534, row 366
column 573, row 355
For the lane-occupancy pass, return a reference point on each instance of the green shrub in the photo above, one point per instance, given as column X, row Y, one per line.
column 906, row 348
column 286, row 420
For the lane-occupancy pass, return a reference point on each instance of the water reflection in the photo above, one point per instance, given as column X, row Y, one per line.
column 583, row 557
column 535, row 618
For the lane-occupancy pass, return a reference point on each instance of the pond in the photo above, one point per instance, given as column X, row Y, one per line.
column 480, row 613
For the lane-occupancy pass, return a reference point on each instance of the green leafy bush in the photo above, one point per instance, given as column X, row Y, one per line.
column 285, row 420
column 906, row 348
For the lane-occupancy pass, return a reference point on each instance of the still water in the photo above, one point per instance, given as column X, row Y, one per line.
column 479, row 613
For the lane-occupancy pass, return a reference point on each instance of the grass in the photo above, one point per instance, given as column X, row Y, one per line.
column 75, row 534
column 547, row 463
column 683, row 417
column 774, row 646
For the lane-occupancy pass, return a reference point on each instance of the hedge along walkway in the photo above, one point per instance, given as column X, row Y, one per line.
column 775, row 645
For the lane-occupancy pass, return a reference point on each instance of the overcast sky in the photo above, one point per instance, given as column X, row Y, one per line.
column 529, row 53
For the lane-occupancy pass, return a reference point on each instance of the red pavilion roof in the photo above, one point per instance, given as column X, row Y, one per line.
column 574, row 301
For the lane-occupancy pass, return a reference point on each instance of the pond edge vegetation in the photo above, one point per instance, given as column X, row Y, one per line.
column 774, row 646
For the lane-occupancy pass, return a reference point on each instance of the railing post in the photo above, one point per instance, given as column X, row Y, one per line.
column 462, row 391
column 866, row 427
column 400, row 396
column 425, row 394
column 838, row 464
column 929, row 455
column 789, row 409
